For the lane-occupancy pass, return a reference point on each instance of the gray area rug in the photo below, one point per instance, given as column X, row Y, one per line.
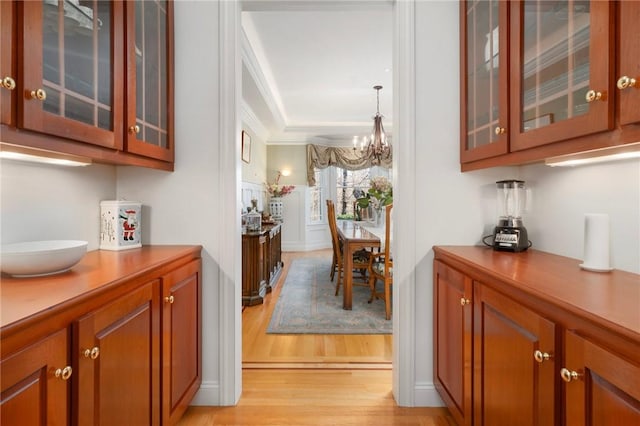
column 307, row 304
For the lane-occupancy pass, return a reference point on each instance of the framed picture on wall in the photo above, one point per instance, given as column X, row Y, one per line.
column 246, row 147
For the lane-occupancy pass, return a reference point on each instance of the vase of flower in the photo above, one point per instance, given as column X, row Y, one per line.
column 275, row 207
column 379, row 216
column 276, row 192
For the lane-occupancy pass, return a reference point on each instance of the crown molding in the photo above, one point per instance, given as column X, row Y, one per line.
column 253, row 122
column 264, row 84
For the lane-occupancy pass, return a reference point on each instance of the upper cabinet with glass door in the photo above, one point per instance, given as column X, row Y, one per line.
column 562, row 85
column 150, row 75
column 484, row 70
column 71, row 70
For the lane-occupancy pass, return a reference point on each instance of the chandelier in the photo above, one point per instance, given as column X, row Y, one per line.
column 377, row 148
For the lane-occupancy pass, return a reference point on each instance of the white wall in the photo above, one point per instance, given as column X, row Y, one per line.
column 45, row 202
column 561, row 197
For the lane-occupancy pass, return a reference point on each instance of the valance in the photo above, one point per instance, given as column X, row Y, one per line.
column 321, row 157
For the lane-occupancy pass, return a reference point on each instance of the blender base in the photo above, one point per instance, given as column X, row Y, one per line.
column 514, row 239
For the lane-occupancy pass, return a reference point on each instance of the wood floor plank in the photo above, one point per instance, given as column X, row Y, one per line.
column 313, row 379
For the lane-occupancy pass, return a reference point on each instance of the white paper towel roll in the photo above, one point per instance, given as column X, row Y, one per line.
column 596, row 242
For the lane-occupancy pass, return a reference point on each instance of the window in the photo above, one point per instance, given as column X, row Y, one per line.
column 317, row 198
column 353, row 184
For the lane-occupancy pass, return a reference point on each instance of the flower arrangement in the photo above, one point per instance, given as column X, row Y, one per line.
column 275, row 190
column 380, row 194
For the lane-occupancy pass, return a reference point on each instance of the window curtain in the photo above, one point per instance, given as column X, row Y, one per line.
column 321, row 157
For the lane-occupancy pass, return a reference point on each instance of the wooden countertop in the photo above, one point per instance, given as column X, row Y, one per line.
column 609, row 298
column 98, row 271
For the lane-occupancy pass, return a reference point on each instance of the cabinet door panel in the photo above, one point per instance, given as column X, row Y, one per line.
column 7, row 61
column 607, row 391
column 484, row 94
column 181, row 347
column 452, row 323
column 510, row 387
column 629, row 16
column 150, row 76
column 126, row 332
column 72, row 70
column 31, row 393
column 560, row 51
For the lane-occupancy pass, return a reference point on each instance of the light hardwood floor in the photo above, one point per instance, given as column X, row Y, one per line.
column 312, row 379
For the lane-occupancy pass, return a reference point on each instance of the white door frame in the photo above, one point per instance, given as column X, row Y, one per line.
column 404, row 305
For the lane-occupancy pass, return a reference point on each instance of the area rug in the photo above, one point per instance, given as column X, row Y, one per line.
column 308, row 305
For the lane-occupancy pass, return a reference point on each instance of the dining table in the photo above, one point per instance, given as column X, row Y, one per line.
column 356, row 236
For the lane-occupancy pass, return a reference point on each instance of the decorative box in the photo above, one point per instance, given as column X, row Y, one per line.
column 120, row 225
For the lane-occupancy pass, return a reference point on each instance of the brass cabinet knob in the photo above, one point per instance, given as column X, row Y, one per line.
column 63, row 373
column 134, row 129
column 541, row 356
column 92, row 353
column 624, row 82
column 169, row 299
column 500, row 130
column 8, row 83
column 39, row 94
column 464, row 301
column 592, row 95
column 568, row 375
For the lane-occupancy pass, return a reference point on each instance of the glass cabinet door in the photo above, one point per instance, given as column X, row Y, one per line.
column 562, row 53
column 150, row 78
column 628, row 77
column 484, row 93
column 71, row 70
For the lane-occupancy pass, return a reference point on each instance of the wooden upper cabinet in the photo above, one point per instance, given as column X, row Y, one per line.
column 7, row 63
column 71, row 70
column 562, row 61
column 628, row 76
column 149, row 112
column 484, row 70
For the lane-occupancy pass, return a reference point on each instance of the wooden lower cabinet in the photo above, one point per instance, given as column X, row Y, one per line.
column 530, row 339
column 128, row 355
column 601, row 388
column 452, row 331
column 509, row 386
column 261, row 263
column 181, row 341
column 35, row 384
column 117, row 348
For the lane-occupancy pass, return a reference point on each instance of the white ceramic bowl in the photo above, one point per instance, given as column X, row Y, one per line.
column 39, row 258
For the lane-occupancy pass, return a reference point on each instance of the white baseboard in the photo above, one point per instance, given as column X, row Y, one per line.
column 426, row 395
column 207, row 395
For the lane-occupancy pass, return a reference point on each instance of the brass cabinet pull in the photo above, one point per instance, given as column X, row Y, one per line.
column 592, row 95
column 39, row 94
column 541, row 356
column 500, row 130
column 8, row 83
column 92, row 353
column 134, row 129
column 624, row 82
column 169, row 299
column 64, row 373
column 568, row 375
column 464, row 301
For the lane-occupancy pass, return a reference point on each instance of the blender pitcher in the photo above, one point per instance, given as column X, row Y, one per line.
column 510, row 234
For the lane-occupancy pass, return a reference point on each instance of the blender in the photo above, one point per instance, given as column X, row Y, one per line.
column 510, row 234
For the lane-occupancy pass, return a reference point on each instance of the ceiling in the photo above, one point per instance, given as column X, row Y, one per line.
column 309, row 67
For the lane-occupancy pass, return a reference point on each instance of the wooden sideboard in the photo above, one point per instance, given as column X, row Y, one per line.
column 531, row 339
column 261, row 263
column 115, row 340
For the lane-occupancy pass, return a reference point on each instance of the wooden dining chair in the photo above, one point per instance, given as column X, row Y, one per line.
column 381, row 267
column 360, row 258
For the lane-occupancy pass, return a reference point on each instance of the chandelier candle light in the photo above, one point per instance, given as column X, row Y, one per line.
column 377, row 147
